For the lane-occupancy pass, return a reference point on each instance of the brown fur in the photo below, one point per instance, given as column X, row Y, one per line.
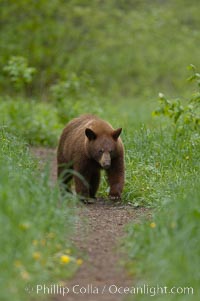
column 87, row 145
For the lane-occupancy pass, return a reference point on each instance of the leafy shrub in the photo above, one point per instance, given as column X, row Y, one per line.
column 74, row 96
column 183, row 115
column 73, row 86
column 18, row 72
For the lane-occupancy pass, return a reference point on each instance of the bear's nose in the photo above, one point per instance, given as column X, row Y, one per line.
column 106, row 165
column 105, row 160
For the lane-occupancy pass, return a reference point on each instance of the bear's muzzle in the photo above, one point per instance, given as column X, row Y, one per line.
column 105, row 160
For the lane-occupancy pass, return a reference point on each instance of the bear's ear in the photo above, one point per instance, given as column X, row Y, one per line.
column 116, row 133
column 90, row 134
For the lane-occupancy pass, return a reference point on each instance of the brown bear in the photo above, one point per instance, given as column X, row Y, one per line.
column 87, row 145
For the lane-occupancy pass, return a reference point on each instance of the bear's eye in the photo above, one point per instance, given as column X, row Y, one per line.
column 101, row 151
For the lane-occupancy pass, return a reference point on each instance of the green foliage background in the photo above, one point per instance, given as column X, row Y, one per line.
column 129, row 48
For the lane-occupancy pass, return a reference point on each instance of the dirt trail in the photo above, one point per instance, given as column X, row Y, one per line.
column 99, row 228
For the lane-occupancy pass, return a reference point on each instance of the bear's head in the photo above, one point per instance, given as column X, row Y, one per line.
column 102, row 147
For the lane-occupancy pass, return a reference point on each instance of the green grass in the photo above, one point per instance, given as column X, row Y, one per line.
column 157, row 160
column 165, row 250
column 35, row 223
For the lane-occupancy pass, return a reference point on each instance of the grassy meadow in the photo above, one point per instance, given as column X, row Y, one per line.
column 125, row 61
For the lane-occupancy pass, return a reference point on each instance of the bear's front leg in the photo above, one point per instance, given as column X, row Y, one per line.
column 116, row 178
column 94, row 183
column 82, row 182
column 81, row 187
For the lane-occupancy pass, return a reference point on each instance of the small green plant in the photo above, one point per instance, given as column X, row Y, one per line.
column 183, row 114
column 19, row 73
column 74, row 96
column 73, row 86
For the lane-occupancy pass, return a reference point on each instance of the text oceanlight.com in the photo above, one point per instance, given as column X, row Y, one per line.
column 145, row 289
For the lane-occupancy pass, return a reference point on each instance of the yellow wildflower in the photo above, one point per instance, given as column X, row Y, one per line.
column 58, row 246
column 25, row 275
column 36, row 255
column 79, row 261
column 51, row 235
column 153, row 225
column 17, row 263
column 24, row 226
column 43, row 262
column 65, row 259
column 61, row 283
column 35, row 242
column 173, row 225
column 43, row 242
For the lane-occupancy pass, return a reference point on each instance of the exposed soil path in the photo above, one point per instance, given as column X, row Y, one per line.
column 99, row 228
